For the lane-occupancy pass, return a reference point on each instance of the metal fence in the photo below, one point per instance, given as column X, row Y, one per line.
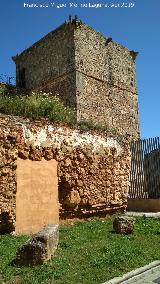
column 10, row 80
column 145, row 168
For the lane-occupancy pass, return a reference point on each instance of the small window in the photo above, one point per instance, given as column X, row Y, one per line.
column 22, row 78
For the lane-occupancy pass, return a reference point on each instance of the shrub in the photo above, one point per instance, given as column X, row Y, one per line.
column 37, row 106
column 48, row 106
column 86, row 125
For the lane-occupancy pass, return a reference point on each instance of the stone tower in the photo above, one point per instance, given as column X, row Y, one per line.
column 90, row 72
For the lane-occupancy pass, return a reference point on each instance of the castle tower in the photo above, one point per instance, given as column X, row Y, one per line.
column 90, row 72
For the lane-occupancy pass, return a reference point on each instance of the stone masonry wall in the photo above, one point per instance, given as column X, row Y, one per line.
column 51, row 57
column 106, row 82
column 116, row 109
column 85, row 69
column 64, row 87
column 93, row 169
column 109, row 62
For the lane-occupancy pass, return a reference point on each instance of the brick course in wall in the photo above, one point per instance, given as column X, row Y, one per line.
column 93, row 170
column 88, row 71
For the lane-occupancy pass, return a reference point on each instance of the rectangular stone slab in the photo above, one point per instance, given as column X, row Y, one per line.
column 37, row 195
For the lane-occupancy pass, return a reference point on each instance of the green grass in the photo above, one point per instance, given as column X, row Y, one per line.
column 37, row 106
column 89, row 252
column 86, row 125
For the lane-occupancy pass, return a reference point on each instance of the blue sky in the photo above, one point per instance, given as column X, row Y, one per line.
column 137, row 28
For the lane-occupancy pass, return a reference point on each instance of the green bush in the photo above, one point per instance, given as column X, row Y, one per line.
column 37, row 106
column 45, row 105
column 86, row 125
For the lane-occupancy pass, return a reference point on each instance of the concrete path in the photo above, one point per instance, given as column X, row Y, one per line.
column 149, row 274
column 143, row 214
column 149, row 277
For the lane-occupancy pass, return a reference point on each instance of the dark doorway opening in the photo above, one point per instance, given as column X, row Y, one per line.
column 22, row 78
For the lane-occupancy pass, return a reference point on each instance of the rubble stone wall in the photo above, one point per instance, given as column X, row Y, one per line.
column 106, row 82
column 109, row 62
column 51, row 57
column 117, row 108
column 57, row 86
column 85, row 69
column 93, row 169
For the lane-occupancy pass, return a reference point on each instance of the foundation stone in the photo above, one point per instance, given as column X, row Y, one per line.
column 123, row 224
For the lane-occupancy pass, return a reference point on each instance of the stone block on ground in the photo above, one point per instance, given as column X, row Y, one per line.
column 123, row 224
column 39, row 248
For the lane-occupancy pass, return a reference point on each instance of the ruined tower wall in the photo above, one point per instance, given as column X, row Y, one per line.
column 49, row 64
column 93, row 168
column 64, row 87
column 87, row 71
column 106, row 82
